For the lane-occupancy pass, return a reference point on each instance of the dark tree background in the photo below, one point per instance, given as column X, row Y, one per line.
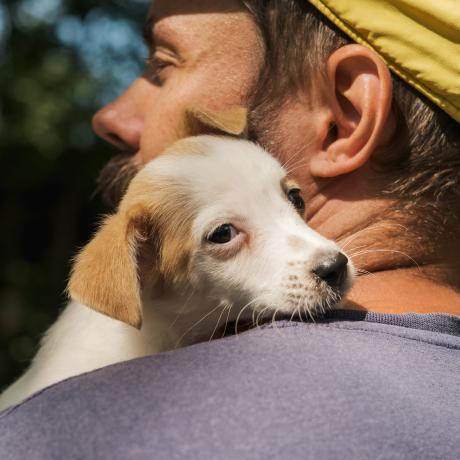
column 59, row 61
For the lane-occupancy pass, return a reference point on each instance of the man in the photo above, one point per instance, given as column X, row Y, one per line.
column 370, row 159
column 378, row 158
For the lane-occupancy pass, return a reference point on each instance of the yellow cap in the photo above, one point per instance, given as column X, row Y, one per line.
column 418, row 39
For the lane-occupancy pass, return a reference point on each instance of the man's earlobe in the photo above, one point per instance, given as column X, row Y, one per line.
column 105, row 274
column 199, row 120
column 359, row 95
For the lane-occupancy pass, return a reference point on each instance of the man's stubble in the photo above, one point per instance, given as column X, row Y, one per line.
column 115, row 177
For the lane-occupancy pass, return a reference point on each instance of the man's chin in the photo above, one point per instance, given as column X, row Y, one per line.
column 115, row 178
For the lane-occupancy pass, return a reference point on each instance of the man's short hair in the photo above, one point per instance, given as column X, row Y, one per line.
column 421, row 163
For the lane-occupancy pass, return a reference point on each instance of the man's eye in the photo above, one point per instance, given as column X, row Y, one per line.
column 159, row 63
column 156, row 66
column 295, row 198
column 156, row 63
column 223, row 234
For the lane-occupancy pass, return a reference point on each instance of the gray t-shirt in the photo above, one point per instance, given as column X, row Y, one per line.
column 350, row 386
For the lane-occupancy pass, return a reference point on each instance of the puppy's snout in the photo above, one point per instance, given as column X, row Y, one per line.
column 333, row 270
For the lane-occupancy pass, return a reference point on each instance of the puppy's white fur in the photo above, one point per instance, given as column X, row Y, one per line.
column 187, row 286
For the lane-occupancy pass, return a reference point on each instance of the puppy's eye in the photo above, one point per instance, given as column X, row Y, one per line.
column 295, row 198
column 222, row 234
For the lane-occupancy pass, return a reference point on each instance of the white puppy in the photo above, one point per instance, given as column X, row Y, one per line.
column 208, row 233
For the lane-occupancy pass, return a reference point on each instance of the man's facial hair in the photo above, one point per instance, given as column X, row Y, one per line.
column 115, row 177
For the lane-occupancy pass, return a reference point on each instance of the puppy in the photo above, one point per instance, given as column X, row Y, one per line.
column 208, row 233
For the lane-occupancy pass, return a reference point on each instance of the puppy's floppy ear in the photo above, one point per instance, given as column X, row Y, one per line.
column 200, row 121
column 105, row 273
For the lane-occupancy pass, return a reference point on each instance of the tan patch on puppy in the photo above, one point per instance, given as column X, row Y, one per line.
column 170, row 214
column 104, row 275
column 198, row 120
column 288, row 184
column 107, row 272
column 232, row 121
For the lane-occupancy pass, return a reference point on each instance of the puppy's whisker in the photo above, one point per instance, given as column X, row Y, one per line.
column 263, row 286
column 285, row 165
column 293, row 163
column 293, row 159
column 198, row 322
column 226, row 321
column 242, row 310
column 293, row 155
column 261, row 313
column 273, row 321
column 299, row 313
column 296, row 311
column 377, row 226
column 182, row 309
column 370, row 251
column 362, row 272
column 310, row 314
column 356, row 248
column 227, row 307
column 296, row 166
column 304, row 308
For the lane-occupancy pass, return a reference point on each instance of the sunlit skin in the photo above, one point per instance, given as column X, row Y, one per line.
column 204, row 53
column 209, row 52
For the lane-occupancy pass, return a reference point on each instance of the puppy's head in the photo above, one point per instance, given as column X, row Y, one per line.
column 147, row 227
column 252, row 247
column 217, row 215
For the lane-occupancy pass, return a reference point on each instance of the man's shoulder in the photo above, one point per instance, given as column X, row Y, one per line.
column 334, row 389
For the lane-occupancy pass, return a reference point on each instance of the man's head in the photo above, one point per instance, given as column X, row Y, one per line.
column 348, row 130
column 202, row 52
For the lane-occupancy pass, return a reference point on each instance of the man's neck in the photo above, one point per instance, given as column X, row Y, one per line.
column 402, row 291
column 396, row 274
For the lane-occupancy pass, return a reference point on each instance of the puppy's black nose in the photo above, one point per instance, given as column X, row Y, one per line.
column 333, row 270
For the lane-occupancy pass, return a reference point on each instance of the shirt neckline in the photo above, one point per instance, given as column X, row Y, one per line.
column 434, row 322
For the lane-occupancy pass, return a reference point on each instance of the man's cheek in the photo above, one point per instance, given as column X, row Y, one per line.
column 159, row 132
column 210, row 87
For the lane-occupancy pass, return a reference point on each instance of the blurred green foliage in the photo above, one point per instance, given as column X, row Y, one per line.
column 59, row 61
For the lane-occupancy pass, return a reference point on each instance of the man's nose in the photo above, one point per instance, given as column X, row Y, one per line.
column 121, row 122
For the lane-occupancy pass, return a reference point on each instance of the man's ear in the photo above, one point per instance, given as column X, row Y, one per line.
column 105, row 273
column 199, row 120
column 359, row 94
